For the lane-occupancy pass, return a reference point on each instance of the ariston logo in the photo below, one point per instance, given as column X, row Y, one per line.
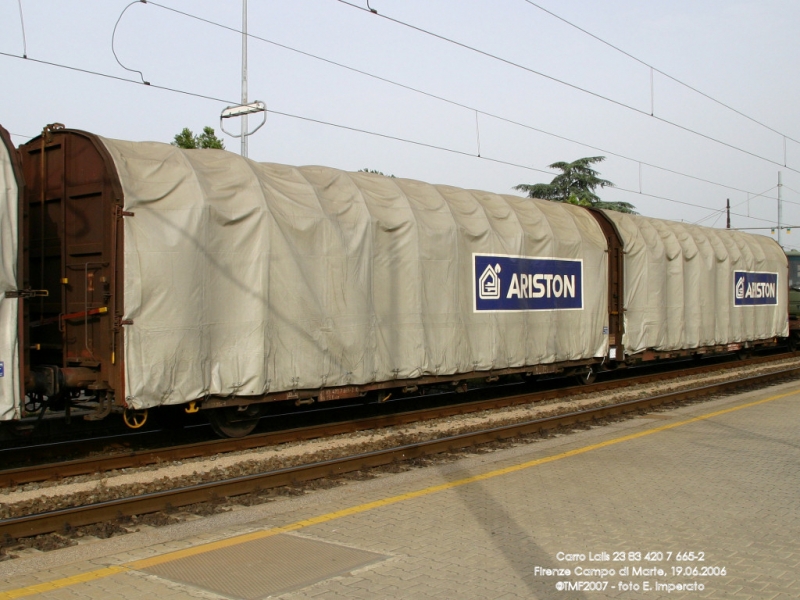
column 489, row 283
column 504, row 283
column 753, row 288
column 740, row 287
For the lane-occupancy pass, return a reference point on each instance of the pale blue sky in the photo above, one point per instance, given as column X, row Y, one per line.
column 745, row 53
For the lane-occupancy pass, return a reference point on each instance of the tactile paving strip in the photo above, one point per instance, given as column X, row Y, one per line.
column 264, row 567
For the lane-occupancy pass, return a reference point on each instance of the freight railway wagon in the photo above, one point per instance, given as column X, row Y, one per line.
column 793, row 256
column 139, row 275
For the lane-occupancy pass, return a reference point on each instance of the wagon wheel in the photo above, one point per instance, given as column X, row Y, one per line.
column 134, row 418
column 587, row 377
column 234, row 421
column 33, row 403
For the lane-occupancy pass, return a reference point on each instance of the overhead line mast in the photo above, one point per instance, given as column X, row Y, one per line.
column 244, row 108
column 244, row 76
column 780, row 210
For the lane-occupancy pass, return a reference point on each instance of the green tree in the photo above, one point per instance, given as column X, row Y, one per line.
column 374, row 172
column 207, row 139
column 575, row 184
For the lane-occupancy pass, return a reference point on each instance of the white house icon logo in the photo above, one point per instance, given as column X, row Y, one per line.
column 740, row 287
column 489, row 283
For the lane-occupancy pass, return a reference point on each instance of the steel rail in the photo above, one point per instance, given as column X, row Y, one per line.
column 134, row 459
column 37, row 524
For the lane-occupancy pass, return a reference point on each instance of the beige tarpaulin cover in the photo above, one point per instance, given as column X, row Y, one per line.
column 245, row 278
column 679, row 285
column 9, row 242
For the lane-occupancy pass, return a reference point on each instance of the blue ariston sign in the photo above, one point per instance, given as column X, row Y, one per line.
column 518, row 283
column 754, row 288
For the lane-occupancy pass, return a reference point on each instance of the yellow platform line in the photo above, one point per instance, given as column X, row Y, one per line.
column 57, row 584
column 354, row 510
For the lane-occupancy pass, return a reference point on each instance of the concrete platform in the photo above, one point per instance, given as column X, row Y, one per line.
column 698, row 502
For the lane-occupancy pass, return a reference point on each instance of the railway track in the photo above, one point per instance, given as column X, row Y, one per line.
column 152, row 502
column 142, row 458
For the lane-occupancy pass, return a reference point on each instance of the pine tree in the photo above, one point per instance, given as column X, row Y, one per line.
column 575, row 184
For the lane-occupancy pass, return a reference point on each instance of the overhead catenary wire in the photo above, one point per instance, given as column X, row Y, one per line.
column 335, row 125
column 22, row 24
column 113, row 38
column 20, row 135
column 665, row 74
column 568, row 84
column 280, row 113
column 674, row 201
column 786, row 187
column 338, row 126
column 409, row 141
column 748, row 216
column 733, row 214
column 765, row 228
column 110, row 76
column 477, row 111
column 722, row 210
